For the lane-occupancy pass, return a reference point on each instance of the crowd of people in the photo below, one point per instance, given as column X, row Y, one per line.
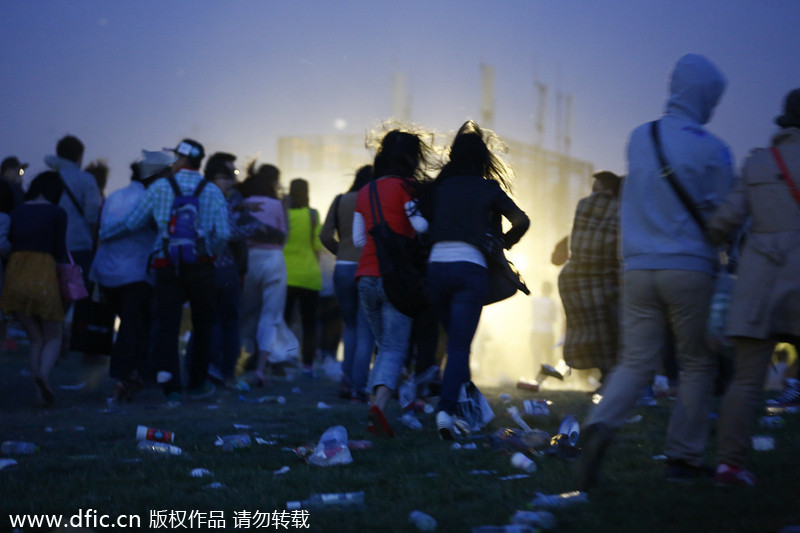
column 637, row 286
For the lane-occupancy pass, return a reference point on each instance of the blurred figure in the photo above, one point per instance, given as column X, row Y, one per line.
column 399, row 163
column 589, row 282
column 545, row 314
column 262, row 324
column 31, row 290
column 6, row 206
column 304, row 278
column 337, row 236
column 765, row 303
column 12, row 172
column 468, row 200
column 668, row 272
column 120, row 267
column 81, row 200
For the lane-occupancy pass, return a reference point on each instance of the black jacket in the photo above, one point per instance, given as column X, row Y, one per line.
column 466, row 208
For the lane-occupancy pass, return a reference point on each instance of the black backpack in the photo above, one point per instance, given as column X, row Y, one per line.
column 401, row 260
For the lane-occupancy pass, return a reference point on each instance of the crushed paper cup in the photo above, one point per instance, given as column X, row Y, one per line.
column 282, row 470
column 763, row 443
column 323, row 405
column 259, row 440
column 199, row 472
column 4, row 463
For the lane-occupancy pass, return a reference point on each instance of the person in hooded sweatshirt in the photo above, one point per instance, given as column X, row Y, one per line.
column 668, row 273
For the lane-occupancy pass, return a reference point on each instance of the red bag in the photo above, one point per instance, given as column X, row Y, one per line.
column 70, row 281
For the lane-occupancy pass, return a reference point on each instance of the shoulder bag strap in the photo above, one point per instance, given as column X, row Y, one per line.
column 668, row 172
column 375, row 204
column 785, row 173
column 174, row 184
column 69, row 193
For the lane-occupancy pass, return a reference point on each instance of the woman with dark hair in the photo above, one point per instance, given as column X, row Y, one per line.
column 337, row 236
column 399, row 165
column 31, row 292
column 304, row 277
column 264, row 291
column 464, row 207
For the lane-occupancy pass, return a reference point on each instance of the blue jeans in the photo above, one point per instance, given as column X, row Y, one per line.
column 392, row 330
column 359, row 342
column 457, row 291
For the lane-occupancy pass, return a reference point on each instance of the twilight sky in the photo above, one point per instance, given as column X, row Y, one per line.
column 238, row 74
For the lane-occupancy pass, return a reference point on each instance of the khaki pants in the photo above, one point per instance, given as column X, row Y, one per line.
column 652, row 302
column 743, row 397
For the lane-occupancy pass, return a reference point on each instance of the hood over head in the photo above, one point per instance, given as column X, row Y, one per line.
column 695, row 88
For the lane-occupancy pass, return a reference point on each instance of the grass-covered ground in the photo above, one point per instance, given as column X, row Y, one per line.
column 88, row 459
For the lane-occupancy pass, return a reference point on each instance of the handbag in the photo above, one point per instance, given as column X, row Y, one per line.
column 723, row 284
column 70, row 281
column 504, row 279
column 401, row 260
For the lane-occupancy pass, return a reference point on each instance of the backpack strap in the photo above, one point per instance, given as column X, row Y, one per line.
column 174, row 184
column 375, row 204
column 785, row 173
column 199, row 189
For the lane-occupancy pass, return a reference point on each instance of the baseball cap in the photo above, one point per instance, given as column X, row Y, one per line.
column 11, row 162
column 189, row 148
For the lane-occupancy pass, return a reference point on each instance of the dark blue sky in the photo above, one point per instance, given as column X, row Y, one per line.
column 236, row 75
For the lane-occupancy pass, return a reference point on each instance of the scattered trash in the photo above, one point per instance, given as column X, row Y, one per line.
column 303, row 452
column 323, row 405
column 242, row 385
column 558, row 500
column 158, row 448
column 154, row 434
column 48, row 429
column 512, row 528
column 514, row 476
column 483, row 472
column 513, row 412
column 200, row 472
column 241, row 426
column 473, row 407
column 410, row 421
column 536, row 407
column 332, row 448
column 634, row 419
column 455, row 446
column 661, row 457
column 214, row 485
column 469, row 446
column 77, row 386
column 14, row 447
column 424, row 522
column 359, row 444
column 282, row 470
column 569, row 426
column 505, row 398
column 527, row 384
column 514, row 440
column 523, row 462
column 763, row 443
column 259, row 440
column 80, row 428
column 326, row 500
column 407, row 392
column 211, row 407
column 297, row 390
column 771, row 422
column 537, row 519
column 5, row 463
column 332, row 369
column 233, row 442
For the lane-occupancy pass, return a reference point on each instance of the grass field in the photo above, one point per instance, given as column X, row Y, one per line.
column 88, row 459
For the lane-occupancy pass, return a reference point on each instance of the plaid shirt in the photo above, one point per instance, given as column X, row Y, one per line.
column 156, row 204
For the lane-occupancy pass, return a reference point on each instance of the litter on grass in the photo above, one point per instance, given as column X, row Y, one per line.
column 200, row 472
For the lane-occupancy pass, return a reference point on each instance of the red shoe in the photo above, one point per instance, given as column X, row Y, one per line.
column 730, row 476
column 378, row 423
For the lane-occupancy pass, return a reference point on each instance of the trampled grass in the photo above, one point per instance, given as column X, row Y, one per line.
column 88, row 460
